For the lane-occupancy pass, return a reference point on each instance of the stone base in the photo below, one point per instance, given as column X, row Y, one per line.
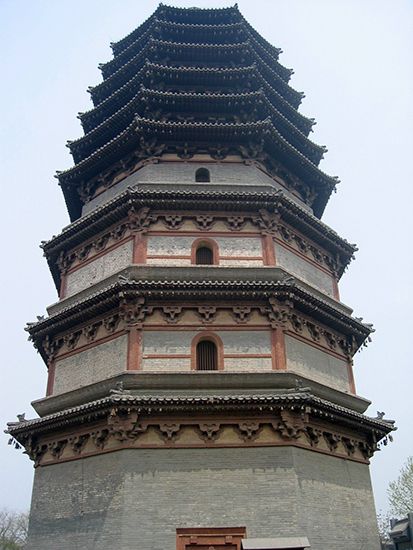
column 137, row 498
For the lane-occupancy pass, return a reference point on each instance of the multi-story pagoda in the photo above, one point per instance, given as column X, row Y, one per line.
column 200, row 388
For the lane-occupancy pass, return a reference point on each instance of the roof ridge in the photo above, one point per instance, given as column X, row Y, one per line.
column 246, row 45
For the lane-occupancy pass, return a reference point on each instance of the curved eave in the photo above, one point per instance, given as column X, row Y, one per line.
column 174, row 283
column 158, row 27
column 213, row 34
column 225, row 15
column 116, row 209
column 232, row 132
column 204, row 133
column 205, row 103
column 190, row 52
column 199, row 15
column 179, row 76
column 200, row 404
column 118, row 46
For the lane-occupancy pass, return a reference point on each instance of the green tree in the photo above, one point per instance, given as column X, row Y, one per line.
column 400, row 491
column 13, row 529
column 383, row 523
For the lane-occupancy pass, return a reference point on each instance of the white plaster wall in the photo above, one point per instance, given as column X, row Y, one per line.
column 306, row 271
column 100, row 268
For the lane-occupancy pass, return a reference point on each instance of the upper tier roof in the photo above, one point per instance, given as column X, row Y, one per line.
column 198, row 76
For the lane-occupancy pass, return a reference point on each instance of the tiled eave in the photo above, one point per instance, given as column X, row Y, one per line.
column 224, row 104
column 116, row 209
column 203, row 405
column 203, row 16
column 169, row 136
column 231, row 33
column 209, row 77
column 241, row 54
column 183, row 283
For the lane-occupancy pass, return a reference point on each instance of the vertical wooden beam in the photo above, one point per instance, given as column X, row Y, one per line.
column 268, row 250
column 139, row 248
column 62, row 289
column 351, row 376
column 50, row 377
column 134, row 360
column 336, row 292
column 279, row 361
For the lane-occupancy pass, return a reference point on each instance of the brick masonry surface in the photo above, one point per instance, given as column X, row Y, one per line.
column 99, row 269
column 227, row 246
column 135, row 499
column 92, row 365
column 303, row 269
column 179, row 343
column 184, row 173
column 316, row 364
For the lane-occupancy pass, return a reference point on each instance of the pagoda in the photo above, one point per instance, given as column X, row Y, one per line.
column 200, row 388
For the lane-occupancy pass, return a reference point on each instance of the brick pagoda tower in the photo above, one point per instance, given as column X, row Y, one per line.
column 200, row 386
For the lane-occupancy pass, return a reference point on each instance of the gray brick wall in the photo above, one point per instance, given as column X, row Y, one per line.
column 183, row 174
column 316, row 364
column 92, row 365
column 231, row 247
column 135, row 499
column 179, row 343
column 303, row 269
column 99, row 269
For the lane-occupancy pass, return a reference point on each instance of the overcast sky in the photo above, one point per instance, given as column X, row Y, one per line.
column 353, row 60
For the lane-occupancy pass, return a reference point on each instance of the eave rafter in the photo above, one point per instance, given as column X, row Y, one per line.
column 212, row 15
column 275, row 202
column 242, row 106
column 299, row 417
column 217, row 55
column 135, row 283
column 249, row 139
column 191, row 77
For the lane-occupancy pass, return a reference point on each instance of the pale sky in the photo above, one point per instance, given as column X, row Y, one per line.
column 353, row 60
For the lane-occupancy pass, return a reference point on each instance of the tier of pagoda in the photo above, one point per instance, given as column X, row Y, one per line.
column 200, row 385
column 195, row 83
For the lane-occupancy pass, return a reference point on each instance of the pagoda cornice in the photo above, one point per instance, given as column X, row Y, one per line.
column 216, row 138
column 261, row 130
column 183, row 283
column 155, row 49
column 122, row 416
column 205, row 382
column 232, row 79
column 190, row 103
column 116, row 210
column 198, row 15
column 246, row 78
column 233, row 33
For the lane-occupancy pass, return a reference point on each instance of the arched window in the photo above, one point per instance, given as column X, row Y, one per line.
column 204, row 252
column 206, row 355
column 204, row 256
column 202, row 175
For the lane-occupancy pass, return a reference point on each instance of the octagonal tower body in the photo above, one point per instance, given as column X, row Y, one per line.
column 199, row 357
